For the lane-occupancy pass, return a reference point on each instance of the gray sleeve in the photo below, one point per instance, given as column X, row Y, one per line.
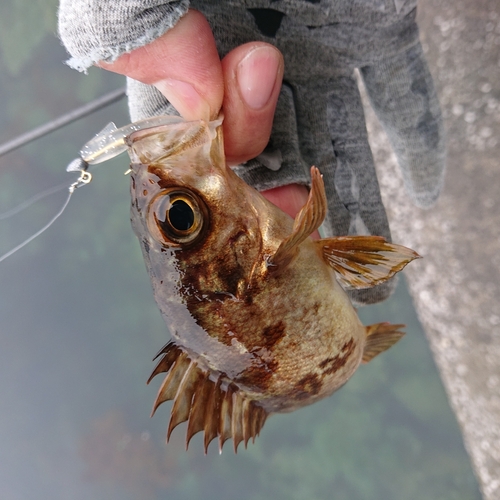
column 103, row 30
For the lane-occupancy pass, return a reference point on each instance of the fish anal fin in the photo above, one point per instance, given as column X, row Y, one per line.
column 364, row 261
column 379, row 337
column 207, row 399
column 306, row 222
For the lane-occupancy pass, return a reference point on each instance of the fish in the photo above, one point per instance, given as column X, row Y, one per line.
column 259, row 318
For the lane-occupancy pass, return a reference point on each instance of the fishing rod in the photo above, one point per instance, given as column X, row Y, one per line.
column 61, row 121
column 43, row 130
column 47, row 128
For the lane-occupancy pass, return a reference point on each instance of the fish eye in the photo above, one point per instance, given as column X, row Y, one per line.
column 181, row 215
column 177, row 216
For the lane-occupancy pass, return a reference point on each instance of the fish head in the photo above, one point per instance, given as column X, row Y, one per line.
column 185, row 198
column 174, row 168
column 204, row 233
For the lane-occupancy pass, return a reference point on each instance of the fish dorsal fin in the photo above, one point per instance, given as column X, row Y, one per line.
column 306, row 222
column 364, row 261
column 206, row 399
column 379, row 337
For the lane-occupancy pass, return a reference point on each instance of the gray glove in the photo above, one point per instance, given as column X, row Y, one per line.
column 319, row 118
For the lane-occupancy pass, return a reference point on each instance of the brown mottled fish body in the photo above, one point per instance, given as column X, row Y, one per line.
column 259, row 320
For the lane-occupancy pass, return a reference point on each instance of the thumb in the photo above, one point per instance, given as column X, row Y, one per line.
column 183, row 64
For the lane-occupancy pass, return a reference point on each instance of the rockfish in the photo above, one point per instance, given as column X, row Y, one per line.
column 259, row 319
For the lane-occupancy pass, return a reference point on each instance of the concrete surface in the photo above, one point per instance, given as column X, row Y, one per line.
column 456, row 286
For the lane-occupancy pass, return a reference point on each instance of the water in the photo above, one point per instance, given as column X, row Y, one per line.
column 79, row 326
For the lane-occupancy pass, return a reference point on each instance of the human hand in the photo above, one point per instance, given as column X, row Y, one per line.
column 319, row 118
column 183, row 64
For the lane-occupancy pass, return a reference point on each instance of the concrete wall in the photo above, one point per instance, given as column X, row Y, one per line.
column 456, row 286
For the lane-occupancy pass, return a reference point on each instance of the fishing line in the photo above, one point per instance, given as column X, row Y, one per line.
column 85, row 178
column 41, row 131
column 40, row 231
column 25, row 204
column 108, row 143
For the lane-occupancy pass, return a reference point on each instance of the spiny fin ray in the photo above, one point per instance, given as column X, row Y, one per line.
column 306, row 222
column 206, row 399
column 168, row 389
column 183, row 398
column 165, row 362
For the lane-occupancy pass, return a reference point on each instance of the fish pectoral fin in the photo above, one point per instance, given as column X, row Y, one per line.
column 206, row 399
column 379, row 337
column 306, row 222
column 364, row 261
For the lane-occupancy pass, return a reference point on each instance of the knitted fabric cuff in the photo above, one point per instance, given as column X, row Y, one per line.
column 99, row 30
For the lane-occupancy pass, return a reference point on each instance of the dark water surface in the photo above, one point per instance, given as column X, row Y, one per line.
column 79, row 326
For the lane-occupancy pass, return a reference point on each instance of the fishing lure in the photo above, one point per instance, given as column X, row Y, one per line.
column 107, row 144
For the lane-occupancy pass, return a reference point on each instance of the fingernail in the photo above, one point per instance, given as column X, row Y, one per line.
column 256, row 75
column 185, row 99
